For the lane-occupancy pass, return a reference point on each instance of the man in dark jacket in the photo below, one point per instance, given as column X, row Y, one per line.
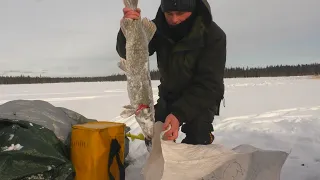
column 191, row 58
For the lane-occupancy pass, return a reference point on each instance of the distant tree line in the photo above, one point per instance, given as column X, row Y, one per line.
column 274, row 71
column 269, row 71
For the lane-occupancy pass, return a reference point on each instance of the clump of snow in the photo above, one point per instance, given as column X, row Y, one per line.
column 12, row 147
column 11, row 137
column 36, row 177
column 50, row 167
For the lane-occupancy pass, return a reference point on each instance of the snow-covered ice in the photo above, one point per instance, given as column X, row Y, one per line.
column 280, row 113
column 12, row 147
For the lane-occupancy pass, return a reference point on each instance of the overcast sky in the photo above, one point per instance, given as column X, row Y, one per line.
column 78, row 37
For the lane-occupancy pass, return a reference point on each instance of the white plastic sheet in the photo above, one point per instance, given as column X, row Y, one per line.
column 177, row 161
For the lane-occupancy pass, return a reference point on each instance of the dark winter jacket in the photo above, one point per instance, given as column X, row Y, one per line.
column 191, row 70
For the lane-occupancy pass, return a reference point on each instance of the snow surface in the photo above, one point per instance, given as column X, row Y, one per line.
column 280, row 113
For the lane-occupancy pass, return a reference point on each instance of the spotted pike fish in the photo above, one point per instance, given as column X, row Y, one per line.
column 138, row 34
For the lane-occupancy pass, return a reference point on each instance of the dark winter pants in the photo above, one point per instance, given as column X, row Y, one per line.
column 197, row 132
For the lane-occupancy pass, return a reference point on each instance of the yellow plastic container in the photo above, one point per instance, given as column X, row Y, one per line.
column 93, row 144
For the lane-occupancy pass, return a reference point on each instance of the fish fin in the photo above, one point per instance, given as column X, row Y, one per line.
column 149, row 27
column 124, row 25
column 128, row 111
column 133, row 4
column 122, row 65
column 128, row 107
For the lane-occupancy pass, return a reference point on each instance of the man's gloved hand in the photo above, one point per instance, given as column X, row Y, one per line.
column 172, row 133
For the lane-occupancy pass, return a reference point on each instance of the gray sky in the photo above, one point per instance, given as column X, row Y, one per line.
column 78, row 37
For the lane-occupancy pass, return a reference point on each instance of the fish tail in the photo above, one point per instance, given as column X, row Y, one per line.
column 132, row 4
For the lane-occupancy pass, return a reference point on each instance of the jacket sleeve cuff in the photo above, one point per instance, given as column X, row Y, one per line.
column 179, row 115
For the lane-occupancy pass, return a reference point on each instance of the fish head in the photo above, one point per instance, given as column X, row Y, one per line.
column 132, row 4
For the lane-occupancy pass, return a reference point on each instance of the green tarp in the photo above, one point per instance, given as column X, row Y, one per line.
column 30, row 151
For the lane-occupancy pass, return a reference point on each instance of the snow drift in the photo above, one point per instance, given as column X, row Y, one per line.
column 210, row 162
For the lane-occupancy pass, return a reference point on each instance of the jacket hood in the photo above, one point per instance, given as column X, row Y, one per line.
column 203, row 9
